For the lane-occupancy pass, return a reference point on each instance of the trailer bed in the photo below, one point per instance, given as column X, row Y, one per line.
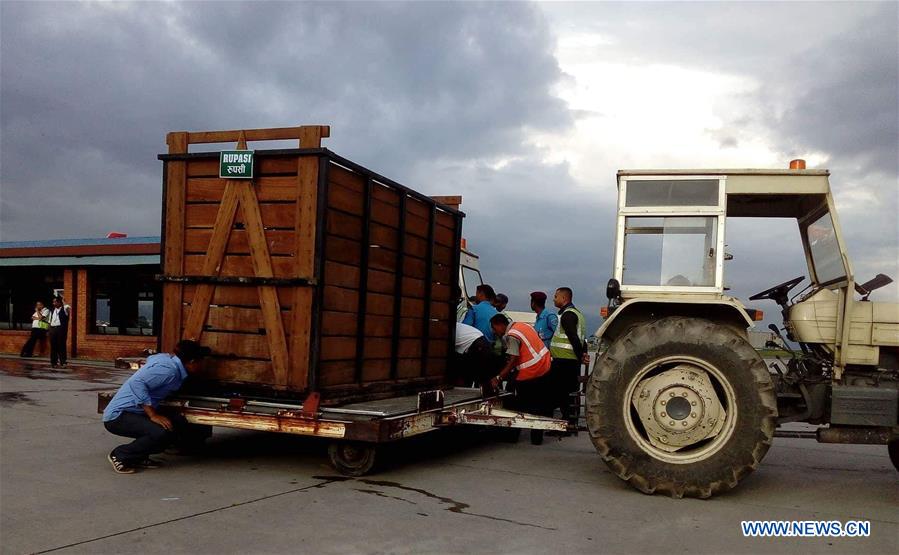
column 356, row 429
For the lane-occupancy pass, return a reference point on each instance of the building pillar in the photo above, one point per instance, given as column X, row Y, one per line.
column 70, row 294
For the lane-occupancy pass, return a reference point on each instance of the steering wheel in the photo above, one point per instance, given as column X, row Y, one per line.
column 778, row 293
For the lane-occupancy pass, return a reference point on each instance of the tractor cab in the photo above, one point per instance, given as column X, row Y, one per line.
column 670, row 250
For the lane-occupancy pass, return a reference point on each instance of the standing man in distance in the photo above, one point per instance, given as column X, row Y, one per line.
column 132, row 411
column 480, row 314
column 59, row 331
column 40, row 323
column 500, row 302
column 569, row 350
column 546, row 322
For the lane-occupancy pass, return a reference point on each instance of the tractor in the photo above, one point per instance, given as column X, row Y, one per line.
column 679, row 402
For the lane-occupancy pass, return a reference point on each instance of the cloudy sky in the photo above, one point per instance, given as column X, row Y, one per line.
column 527, row 110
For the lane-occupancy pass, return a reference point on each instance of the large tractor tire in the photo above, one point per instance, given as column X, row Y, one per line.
column 681, row 406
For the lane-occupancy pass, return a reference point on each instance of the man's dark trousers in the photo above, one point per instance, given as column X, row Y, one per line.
column 566, row 374
column 149, row 437
column 58, row 336
column 37, row 334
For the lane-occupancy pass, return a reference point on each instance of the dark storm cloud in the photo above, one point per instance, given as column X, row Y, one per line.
column 89, row 91
column 827, row 72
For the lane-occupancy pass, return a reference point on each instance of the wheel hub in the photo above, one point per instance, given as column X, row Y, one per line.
column 678, row 407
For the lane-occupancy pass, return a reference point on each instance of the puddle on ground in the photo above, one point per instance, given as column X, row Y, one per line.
column 43, row 371
column 15, row 398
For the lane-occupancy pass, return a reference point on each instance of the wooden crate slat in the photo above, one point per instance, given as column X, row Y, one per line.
column 376, row 370
column 239, row 266
column 383, row 235
column 340, row 299
column 241, row 345
column 337, row 348
column 241, row 295
column 336, row 372
column 380, row 281
column 280, row 242
column 342, row 275
column 338, row 175
column 173, row 248
column 274, row 215
column 344, row 199
column 236, row 370
column 268, row 189
column 408, row 368
column 346, row 226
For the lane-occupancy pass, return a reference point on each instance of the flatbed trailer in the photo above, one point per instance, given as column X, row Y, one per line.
column 356, row 429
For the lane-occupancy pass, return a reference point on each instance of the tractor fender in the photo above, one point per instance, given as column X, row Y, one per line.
column 727, row 311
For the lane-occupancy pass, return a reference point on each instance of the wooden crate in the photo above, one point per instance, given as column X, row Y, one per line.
column 318, row 275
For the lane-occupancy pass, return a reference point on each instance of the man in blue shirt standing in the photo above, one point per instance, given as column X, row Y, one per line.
column 132, row 411
column 546, row 322
column 480, row 314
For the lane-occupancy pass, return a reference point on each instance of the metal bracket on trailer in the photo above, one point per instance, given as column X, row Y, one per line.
column 487, row 414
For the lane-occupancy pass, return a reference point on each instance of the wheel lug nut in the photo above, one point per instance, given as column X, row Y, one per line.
column 692, row 415
column 684, row 394
column 664, row 415
column 693, row 403
column 671, row 423
column 664, row 402
column 684, row 423
column 671, row 394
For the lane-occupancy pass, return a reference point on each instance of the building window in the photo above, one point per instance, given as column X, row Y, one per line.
column 20, row 289
column 124, row 300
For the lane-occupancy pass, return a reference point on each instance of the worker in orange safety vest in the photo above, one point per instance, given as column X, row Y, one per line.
column 527, row 368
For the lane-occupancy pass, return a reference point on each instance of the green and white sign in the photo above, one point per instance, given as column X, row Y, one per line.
column 236, row 164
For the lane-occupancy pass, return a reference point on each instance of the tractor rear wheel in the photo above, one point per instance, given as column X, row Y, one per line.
column 681, row 406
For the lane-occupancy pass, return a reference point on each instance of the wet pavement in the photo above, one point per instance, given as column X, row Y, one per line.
column 454, row 492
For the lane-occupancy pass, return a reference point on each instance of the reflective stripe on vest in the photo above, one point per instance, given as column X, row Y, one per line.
column 533, row 356
column 560, row 345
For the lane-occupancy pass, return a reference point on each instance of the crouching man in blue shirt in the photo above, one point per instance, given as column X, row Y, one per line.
column 132, row 411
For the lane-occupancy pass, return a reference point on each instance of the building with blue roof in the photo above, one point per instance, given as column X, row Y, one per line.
column 108, row 282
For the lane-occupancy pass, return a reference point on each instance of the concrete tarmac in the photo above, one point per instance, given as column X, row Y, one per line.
column 456, row 492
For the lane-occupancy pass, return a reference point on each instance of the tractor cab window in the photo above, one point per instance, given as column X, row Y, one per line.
column 676, row 251
column 471, row 278
column 670, row 193
column 824, row 249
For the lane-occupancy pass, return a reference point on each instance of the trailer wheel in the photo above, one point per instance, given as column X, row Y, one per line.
column 893, row 448
column 352, row 458
column 681, row 406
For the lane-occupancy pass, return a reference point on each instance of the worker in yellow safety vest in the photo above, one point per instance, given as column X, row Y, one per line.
column 569, row 350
